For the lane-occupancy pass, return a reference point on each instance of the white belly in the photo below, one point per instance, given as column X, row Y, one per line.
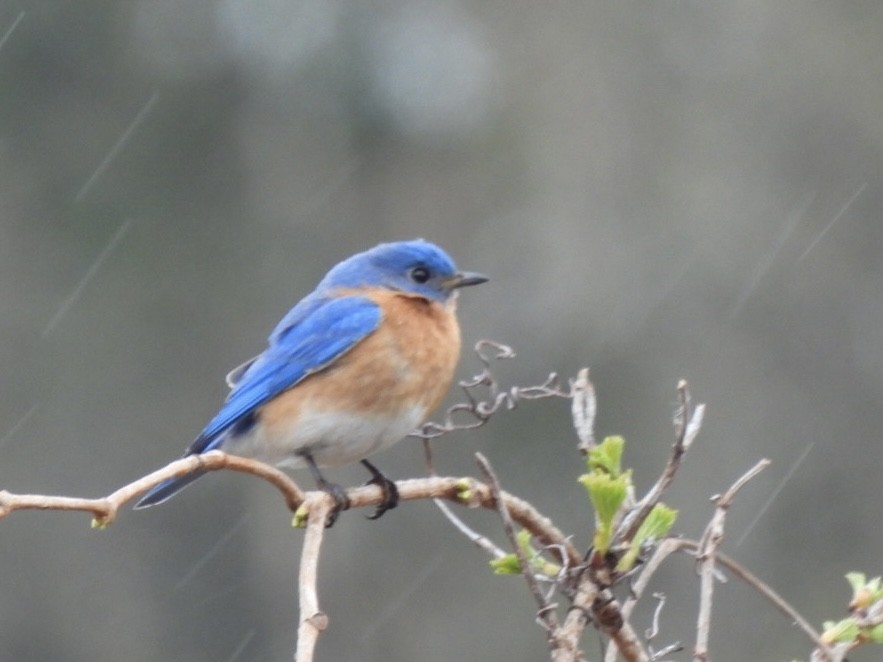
column 330, row 438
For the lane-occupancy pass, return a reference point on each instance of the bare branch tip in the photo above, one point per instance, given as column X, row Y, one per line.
column 583, row 409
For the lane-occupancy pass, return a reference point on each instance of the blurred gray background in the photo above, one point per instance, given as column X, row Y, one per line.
column 658, row 190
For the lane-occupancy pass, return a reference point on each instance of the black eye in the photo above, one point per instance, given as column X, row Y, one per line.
column 419, row 274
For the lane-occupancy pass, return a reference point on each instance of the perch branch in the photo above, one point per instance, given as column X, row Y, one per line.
column 459, row 490
column 104, row 510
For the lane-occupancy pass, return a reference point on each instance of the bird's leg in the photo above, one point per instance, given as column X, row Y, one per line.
column 389, row 489
column 341, row 500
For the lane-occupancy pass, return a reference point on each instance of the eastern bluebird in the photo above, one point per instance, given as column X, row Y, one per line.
column 353, row 368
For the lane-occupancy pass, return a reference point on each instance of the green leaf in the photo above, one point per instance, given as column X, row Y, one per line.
column 509, row 565
column 607, row 495
column 875, row 634
column 523, row 539
column 506, row 565
column 657, row 525
column 856, row 580
column 606, row 457
column 845, row 631
column 865, row 592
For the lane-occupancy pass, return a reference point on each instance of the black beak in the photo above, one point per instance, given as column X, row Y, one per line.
column 466, row 279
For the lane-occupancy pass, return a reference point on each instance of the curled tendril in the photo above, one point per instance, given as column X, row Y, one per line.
column 480, row 407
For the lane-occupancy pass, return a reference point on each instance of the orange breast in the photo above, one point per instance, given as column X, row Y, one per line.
column 408, row 362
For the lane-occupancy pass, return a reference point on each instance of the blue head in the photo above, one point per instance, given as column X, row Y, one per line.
column 416, row 267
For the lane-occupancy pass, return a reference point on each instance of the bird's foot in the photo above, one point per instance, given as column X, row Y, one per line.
column 388, row 487
column 341, row 500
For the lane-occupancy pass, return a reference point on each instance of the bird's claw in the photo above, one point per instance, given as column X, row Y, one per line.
column 388, row 487
column 341, row 500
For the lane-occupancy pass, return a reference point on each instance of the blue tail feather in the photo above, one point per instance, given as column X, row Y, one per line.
column 167, row 489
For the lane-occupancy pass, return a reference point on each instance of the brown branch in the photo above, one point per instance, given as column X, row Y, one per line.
column 625, row 638
column 459, row 490
column 474, row 494
column 578, row 617
column 313, row 621
column 104, row 510
column 592, row 605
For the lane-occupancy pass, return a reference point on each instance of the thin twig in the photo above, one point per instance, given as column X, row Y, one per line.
column 766, row 591
column 708, row 545
column 545, row 613
column 687, row 425
column 671, row 648
column 474, row 536
column 653, row 631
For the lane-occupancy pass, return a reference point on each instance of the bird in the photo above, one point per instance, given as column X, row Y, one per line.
column 350, row 370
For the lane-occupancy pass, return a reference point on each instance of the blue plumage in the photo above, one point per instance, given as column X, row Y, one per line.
column 329, row 330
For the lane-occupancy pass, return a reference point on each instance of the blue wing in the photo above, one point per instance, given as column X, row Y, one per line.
column 312, row 336
column 328, row 329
